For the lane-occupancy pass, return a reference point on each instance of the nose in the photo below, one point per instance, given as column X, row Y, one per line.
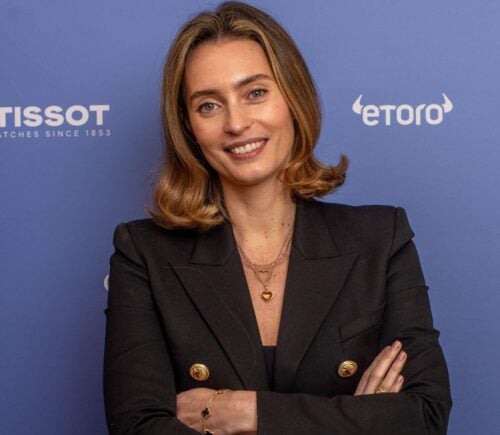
column 237, row 119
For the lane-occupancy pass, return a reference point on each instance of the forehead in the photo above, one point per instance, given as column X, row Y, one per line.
column 217, row 64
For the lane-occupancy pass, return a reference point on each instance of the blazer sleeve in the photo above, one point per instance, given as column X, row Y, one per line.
column 424, row 404
column 139, row 386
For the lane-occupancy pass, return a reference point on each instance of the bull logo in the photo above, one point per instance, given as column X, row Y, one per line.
column 405, row 114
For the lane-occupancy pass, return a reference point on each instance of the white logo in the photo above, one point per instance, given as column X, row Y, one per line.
column 53, row 121
column 53, row 116
column 404, row 114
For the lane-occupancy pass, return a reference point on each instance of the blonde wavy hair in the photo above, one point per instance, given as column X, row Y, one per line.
column 187, row 193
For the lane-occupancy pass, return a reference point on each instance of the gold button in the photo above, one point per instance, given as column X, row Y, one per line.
column 347, row 369
column 199, row 372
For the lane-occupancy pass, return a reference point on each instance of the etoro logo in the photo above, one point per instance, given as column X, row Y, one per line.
column 404, row 114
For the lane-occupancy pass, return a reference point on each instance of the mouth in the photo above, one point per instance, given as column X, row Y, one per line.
column 246, row 148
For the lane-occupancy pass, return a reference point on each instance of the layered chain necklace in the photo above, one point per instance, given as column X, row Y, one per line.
column 264, row 272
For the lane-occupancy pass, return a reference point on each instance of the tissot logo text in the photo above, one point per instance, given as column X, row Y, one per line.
column 404, row 114
column 52, row 116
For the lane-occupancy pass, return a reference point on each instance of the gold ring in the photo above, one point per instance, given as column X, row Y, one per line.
column 380, row 390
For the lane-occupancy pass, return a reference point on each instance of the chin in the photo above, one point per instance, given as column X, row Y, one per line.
column 255, row 179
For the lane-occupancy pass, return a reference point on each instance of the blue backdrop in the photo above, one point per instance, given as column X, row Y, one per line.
column 80, row 138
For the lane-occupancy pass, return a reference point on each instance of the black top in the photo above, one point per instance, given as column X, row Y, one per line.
column 354, row 284
column 269, row 352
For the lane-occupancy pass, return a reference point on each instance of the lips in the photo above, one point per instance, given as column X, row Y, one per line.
column 245, row 147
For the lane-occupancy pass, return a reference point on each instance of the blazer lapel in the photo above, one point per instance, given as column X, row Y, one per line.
column 316, row 274
column 218, row 288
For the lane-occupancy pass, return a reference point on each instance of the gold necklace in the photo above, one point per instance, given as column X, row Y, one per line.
column 264, row 272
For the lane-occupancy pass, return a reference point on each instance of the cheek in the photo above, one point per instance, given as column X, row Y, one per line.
column 282, row 117
column 207, row 140
column 284, row 122
column 206, row 134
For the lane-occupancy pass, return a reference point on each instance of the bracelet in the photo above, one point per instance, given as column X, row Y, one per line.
column 205, row 414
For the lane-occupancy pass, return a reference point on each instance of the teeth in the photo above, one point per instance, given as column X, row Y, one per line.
column 247, row 148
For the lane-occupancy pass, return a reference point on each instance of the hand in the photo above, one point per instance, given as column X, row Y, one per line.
column 190, row 403
column 234, row 412
column 384, row 373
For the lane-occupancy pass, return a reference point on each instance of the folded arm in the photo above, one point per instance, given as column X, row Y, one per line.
column 423, row 405
column 140, row 389
column 139, row 385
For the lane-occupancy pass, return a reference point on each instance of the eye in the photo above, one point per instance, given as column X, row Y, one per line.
column 257, row 93
column 206, row 107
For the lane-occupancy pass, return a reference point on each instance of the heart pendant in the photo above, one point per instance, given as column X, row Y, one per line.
column 266, row 295
column 264, row 275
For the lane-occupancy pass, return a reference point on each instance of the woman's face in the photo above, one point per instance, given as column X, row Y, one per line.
column 236, row 111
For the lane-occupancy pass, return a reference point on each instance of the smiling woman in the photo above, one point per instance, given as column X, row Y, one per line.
column 194, row 198
column 245, row 305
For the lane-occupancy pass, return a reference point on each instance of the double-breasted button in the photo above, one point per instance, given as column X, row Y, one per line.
column 347, row 369
column 199, row 372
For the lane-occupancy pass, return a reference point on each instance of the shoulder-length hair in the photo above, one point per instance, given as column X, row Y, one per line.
column 187, row 193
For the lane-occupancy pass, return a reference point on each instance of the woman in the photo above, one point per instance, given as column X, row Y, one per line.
column 245, row 305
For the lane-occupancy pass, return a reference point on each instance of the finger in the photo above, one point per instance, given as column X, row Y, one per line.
column 397, row 386
column 379, row 372
column 366, row 375
column 394, row 372
column 364, row 378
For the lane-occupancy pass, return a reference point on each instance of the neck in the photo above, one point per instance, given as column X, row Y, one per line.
column 262, row 217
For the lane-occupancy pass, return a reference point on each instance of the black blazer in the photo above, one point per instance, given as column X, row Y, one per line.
column 354, row 285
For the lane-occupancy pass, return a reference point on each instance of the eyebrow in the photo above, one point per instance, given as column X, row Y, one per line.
column 239, row 84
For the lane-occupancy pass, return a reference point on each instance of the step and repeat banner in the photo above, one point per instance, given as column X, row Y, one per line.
column 409, row 92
